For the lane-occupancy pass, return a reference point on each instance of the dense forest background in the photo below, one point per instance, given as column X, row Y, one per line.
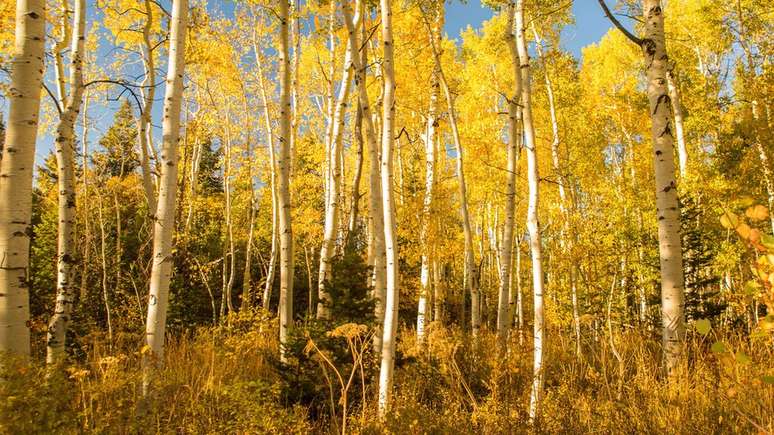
column 567, row 244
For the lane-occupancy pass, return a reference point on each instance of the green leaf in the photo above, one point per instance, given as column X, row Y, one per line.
column 718, row 347
column 769, row 379
column 743, row 358
column 767, row 240
column 703, row 326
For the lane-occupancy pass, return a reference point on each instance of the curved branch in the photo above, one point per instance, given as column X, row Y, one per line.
column 618, row 24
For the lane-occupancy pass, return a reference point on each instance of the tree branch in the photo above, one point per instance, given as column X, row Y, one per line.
column 618, row 24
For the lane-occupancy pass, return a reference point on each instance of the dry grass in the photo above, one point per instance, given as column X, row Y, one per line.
column 225, row 380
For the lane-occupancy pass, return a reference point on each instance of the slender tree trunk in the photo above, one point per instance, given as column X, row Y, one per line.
column 677, row 109
column 376, row 208
column 434, row 35
column 269, row 284
column 285, row 226
column 86, row 258
column 514, row 136
column 161, row 270
column 229, row 224
column 65, row 152
column 533, row 224
column 470, row 266
column 103, row 257
column 670, row 247
column 566, row 238
column 148, row 91
column 16, row 167
column 247, row 278
column 390, row 236
column 332, row 210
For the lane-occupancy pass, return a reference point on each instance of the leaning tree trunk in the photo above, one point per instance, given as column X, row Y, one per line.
column 470, row 266
column 670, row 247
column 269, row 284
column 514, row 136
column 148, row 92
column 285, row 227
column 161, row 270
column 65, row 153
column 677, row 109
column 16, row 165
column 565, row 241
column 376, row 210
column 429, row 137
column 533, row 225
column 332, row 209
column 390, row 236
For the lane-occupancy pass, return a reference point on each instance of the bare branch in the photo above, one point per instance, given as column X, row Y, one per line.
column 618, row 24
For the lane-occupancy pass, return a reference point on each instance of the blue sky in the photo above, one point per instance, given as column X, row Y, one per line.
column 590, row 22
column 590, row 25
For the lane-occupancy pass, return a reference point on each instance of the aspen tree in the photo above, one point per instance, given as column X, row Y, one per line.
column 70, row 106
column 653, row 45
column 16, row 166
column 283, row 184
column 514, row 137
column 388, row 196
column 533, row 224
column 164, row 225
column 148, row 91
column 333, row 206
column 677, row 111
column 376, row 250
column 273, row 256
column 434, row 33
column 565, row 241
column 470, row 265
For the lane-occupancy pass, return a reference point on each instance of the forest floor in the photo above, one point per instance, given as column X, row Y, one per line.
column 228, row 379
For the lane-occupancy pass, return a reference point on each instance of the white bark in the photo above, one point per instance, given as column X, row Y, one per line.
column 533, row 224
column 269, row 284
column 16, row 166
column 470, row 266
column 670, row 247
column 285, row 226
column 376, row 208
column 514, row 137
column 332, row 209
column 161, row 270
column 148, row 92
column 65, row 153
column 677, row 110
column 434, row 34
column 390, row 236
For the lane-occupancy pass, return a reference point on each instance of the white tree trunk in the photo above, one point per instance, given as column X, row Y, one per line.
column 533, row 224
column 565, row 242
column 148, row 92
column 333, row 206
column 65, row 153
column 285, row 226
column 470, row 266
column 429, row 139
column 376, row 208
column 390, row 236
column 677, row 109
column 161, row 270
column 514, row 137
column 269, row 284
column 670, row 247
column 16, row 166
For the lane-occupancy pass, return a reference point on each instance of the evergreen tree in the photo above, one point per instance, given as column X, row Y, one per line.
column 118, row 156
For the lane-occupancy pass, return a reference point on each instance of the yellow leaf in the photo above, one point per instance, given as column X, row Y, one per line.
column 757, row 212
column 729, row 220
column 743, row 230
